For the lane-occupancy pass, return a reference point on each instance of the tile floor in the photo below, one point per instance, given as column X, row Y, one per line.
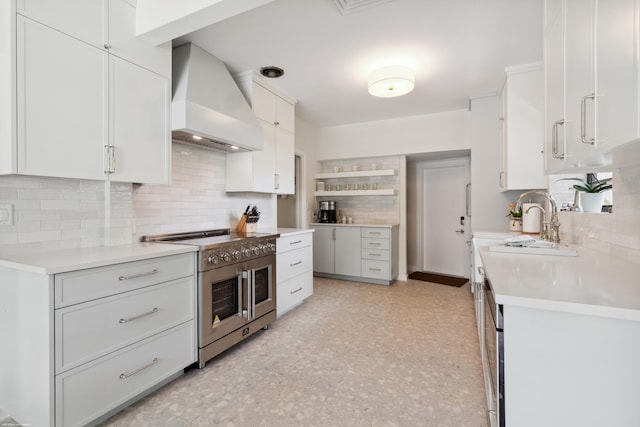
column 353, row 354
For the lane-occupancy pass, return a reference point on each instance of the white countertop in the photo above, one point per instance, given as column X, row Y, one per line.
column 284, row 232
column 353, row 225
column 592, row 283
column 76, row 259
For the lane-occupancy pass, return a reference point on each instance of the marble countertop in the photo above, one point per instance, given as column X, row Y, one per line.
column 592, row 283
column 54, row 262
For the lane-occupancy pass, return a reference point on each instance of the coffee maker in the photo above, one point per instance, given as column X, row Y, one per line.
column 328, row 213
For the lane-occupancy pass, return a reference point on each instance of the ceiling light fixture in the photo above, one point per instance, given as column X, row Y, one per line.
column 391, row 81
column 272, row 71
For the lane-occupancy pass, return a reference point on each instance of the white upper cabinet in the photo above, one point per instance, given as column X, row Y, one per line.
column 139, row 119
column 81, row 110
column 62, row 104
column 522, row 144
column 271, row 170
column 591, row 81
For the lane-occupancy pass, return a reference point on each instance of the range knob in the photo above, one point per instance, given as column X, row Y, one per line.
column 213, row 260
column 264, row 248
column 271, row 247
column 246, row 252
column 255, row 250
column 236, row 254
column 225, row 256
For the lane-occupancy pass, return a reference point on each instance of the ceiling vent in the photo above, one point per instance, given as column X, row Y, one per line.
column 347, row 7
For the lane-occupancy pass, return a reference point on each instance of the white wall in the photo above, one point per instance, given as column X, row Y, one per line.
column 407, row 135
column 306, row 143
column 489, row 206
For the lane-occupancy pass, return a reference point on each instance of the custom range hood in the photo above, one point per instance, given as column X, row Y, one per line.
column 207, row 107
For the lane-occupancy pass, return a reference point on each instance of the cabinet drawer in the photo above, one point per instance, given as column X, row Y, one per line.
column 375, row 243
column 376, row 233
column 84, row 285
column 378, row 254
column 376, row 269
column 85, row 393
column 287, row 243
column 87, row 331
column 290, row 264
column 293, row 291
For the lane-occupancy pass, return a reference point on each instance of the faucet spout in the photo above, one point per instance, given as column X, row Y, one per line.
column 554, row 222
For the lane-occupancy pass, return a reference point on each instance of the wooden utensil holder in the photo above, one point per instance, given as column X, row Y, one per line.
column 246, row 227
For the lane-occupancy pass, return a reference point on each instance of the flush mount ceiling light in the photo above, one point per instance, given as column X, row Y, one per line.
column 388, row 82
column 272, row 72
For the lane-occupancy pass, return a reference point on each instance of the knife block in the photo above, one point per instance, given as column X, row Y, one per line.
column 246, row 227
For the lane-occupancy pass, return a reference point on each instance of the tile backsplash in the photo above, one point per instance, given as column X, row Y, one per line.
column 196, row 198
column 617, row 233
column 54, row 213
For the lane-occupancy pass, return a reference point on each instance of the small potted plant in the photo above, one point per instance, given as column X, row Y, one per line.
column 591, row 194
column 515, row 217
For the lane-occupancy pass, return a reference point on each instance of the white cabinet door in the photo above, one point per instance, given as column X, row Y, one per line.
column 124, row 43
column 554, row 85
column 285, row 162
column 262, row 103
column 82, row 19
column 139, row 124
column 347, row 251
column 284, row 114
column 522, row 145
column 323, row 249
column 617, row 83
column 61, row 104
column 579, row 77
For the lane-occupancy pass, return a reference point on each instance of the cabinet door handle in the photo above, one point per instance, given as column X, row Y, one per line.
column 126, row 375
column 468, row 199
column 138, row 316
column 277, row 123
column 135, row 276
column 554, row 140
column 296, row 291
column 334, row 234
column 276, row 181
column 107, row 46
column 111, row 159
column 583, row 120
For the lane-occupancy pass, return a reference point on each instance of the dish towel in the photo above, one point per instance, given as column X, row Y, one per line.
column 528, row 241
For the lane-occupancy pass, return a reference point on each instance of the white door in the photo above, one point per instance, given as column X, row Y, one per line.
column 444, row 214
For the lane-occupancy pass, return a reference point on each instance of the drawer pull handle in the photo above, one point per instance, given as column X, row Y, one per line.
column 126, row 375
column 295, row 263
column 374, row 244
column 296, row 242
column 123, row 320
column 374, row 269
column 370, row 254
column 135, row 276
column 296, row 291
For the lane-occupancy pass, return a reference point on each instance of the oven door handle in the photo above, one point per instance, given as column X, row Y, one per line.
column 245, row 277
column 253, row 293
column 239, row 280
column 249, row 275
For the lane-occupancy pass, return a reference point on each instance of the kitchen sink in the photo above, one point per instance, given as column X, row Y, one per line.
column 558, row 250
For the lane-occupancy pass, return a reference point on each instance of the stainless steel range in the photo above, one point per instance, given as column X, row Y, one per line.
column 236, row 285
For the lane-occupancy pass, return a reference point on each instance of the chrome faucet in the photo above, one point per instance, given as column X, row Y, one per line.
column 553, row 233
column 544, row 234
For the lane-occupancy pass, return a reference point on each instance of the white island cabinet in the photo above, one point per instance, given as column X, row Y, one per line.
column 570, row 339
column 294, row 268
column 90, row 330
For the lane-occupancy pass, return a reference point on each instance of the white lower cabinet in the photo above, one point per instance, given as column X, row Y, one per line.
column 294, row 270
column 362, row 253
column 87, row 341
column 88, row 391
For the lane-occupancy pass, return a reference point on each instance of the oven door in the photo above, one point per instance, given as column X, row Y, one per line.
column 260, row 276
column 220, row 297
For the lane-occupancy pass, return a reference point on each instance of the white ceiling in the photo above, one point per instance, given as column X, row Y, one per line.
column 458, row 49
